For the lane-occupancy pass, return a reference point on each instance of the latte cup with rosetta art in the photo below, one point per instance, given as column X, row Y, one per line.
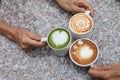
column 59, row 40
column 81, row 25
column 84, row 52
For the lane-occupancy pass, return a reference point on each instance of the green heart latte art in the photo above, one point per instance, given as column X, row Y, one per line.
column 59, row 38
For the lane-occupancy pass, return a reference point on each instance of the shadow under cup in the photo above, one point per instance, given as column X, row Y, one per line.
column 83, row 52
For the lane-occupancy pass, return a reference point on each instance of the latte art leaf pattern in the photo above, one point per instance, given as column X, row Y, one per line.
column 81, row 23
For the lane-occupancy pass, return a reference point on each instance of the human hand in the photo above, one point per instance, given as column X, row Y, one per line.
column 111, row 72
column 27, row 39
column 76, row 6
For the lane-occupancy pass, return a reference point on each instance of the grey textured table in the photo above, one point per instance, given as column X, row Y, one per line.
column 40, row 16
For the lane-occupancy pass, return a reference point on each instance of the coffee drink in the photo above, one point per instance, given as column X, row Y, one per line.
column 59, row 38
column 83, row 51
column 81, row 23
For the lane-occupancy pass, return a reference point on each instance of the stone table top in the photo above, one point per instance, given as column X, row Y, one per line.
column 40, row 16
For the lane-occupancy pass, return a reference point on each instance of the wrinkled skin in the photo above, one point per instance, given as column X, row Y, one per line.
column 75, row 6
column 111, row 72
column 27, row 39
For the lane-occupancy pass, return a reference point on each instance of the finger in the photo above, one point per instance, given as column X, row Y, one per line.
column 34, row 36
column 87, row 6
column 99, row 67
column 80, row 5
column 96, row 74
column 35, row 43
column 77, row 9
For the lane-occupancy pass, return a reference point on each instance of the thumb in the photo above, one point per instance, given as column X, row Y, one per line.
column 98, row 71
column 96, row 74
column 87, row 6
column 97, row 67
column 35, row 43
column 34, row 36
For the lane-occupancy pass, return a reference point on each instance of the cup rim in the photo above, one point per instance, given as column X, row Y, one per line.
column 81, row 65
column 83, row 32
column 67, row 44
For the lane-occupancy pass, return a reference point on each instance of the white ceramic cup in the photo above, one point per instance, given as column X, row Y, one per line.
column 58, row 52
column 86, row 34
column 81, row 65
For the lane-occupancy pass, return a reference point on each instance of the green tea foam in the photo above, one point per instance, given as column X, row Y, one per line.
column 59, row 38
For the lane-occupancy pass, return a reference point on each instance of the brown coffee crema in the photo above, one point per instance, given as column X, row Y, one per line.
column 81, row 23
column 83, row 52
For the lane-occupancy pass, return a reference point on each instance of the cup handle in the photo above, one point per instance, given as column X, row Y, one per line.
column 87, row 12
column 43, row 39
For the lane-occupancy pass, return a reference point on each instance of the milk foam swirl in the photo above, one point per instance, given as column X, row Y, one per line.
column 81, row 23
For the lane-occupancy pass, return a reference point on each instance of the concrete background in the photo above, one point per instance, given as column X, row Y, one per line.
column 40, row 16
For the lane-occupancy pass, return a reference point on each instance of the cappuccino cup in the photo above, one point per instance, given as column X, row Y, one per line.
column 59, row 40
column 84, row 52
column 81, row 25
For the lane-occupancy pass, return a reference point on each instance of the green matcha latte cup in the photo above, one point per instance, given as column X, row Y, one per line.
column 59, row 40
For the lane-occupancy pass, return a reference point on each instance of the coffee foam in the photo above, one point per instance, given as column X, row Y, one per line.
column 81, row 23
column 86, row 52
column 59, row 38
column 83, row 52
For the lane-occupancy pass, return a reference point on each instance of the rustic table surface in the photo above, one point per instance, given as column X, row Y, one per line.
column 40, row 16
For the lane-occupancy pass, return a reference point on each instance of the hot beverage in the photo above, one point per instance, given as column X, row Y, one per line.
column 83, row 51
column 81, row 23
column 59, row 38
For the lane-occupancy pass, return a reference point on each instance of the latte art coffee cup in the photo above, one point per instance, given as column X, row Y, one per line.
column 83, row 52
column 59, row 40
column 81, row 24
